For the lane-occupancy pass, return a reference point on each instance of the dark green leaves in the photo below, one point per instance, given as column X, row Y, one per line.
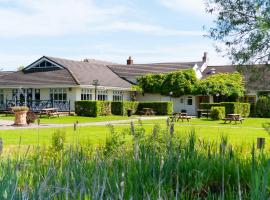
column 243, row 27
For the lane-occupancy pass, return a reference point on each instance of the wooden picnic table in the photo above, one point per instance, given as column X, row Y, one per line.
column 203, row 112
column 49, row 112
column 180, row 115
column 233, row 117
column 148, row 111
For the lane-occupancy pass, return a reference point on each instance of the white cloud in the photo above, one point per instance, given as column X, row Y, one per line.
column 194, row 6
column 65, row 17
column 147, row 29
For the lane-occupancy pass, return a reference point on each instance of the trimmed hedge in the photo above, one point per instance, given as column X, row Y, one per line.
column 208, row 106
column 160, row 108
column 119, row 107
column 230, row 107
column 217, row 112
column 235, row 107
column 263, row 107
column 98, row 108
column 92, row 108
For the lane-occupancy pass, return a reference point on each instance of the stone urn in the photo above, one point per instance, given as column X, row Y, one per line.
column 20, row 113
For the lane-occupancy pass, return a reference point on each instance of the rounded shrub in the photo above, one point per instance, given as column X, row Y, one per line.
column 217, row 112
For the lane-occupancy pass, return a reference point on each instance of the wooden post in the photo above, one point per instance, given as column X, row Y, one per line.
column 260, row 143
column 1, row 146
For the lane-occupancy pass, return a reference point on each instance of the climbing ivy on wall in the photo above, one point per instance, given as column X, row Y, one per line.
column 184, row 82
column 179, row 83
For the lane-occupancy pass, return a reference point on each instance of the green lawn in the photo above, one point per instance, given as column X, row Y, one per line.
column 209, row 130
column 71, row 119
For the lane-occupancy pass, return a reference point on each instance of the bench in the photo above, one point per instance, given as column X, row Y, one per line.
column 50, row 112
column 178, row 116
column 233, row 117
column 184, row 117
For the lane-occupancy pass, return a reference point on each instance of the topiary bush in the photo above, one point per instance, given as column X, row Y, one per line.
column 160, row 108
column 263, row 107
column 217, row 112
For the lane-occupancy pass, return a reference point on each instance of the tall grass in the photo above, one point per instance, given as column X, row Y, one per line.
column 156, row 166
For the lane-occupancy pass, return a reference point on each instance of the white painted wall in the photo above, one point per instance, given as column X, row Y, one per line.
column 179, row 104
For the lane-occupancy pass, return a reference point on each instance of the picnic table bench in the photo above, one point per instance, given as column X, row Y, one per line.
column 203, row 113
column 147, row 111
column 177, row 116
column 49, row 112
column 233, row 117
column 8, row 112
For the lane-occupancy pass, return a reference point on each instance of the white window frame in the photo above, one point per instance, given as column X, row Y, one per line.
column 59, row 93
column 189, row 98
column 102, row 95
column 86, row 94
column 118, row 95
column 36, row 65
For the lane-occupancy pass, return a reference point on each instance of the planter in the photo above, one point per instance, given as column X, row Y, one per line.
column 20, row 118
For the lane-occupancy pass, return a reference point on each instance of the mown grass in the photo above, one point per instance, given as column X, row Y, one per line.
column 157, row 165
column 96, row 135
column 71, row 119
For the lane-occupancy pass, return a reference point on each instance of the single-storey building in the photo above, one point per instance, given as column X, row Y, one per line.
column 57, row 82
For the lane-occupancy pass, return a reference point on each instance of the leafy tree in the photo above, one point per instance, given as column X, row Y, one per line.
column 151, row 82
column 224, row 84
column 243, row 29
column 180, row 83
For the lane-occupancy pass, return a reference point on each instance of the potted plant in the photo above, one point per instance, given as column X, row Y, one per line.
column 20, row 113
column 31, row 117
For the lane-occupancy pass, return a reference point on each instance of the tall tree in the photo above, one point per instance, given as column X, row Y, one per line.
column 241, row 29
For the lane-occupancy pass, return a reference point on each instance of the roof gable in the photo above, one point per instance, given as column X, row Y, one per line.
column 42, row 65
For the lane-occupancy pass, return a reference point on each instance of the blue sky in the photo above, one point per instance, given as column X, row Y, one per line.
column 112, row 30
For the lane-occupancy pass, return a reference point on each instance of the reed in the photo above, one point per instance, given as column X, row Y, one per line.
column 155, row 166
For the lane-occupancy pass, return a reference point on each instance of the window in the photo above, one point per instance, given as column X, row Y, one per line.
column 37, row 94
column 189, row 101
column 102, row 95
column 181, row 100
column 117, row 95
column 58, row 94
column 1, row 97
column 86, row 94
column 44, row 64
column 14, row 94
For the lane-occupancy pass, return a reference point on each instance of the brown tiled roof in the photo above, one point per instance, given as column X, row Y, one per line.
column 219, row 69
column 58, row 77
column 3, row 73
column 131, row 72
column 72, row 73
column 85, row 72
column 256, row 77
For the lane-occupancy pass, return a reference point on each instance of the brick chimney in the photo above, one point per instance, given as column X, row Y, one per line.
column 129, row 61
column 205, row 57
